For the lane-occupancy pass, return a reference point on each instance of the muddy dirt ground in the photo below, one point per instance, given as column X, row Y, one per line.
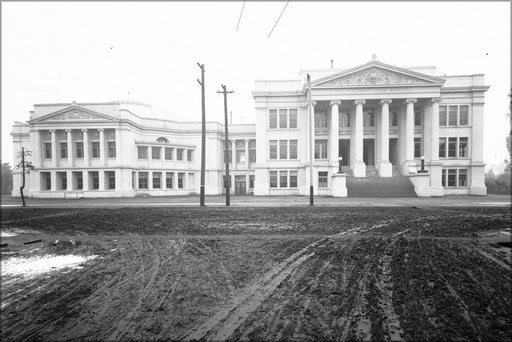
column 260, row 274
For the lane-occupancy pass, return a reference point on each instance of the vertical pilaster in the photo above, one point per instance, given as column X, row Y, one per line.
column 55, row 150
column 477, row 172
column 70, row 148
column 383, row 164
column 101, row 177
column 358, row 165
column 53, row 177
column 435, row 166
column 334, row 136
column 70, row 180
column 247, row 155
column 86, row 150
column 102, row 146
column 311, row 145
column 37, row 149
column 233, row 153
column 118, row 148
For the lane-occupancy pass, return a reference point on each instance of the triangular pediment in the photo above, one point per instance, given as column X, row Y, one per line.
column 376, row 74
column 75, row 113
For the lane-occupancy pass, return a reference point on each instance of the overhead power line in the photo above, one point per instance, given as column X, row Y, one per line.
column 278, row 18
column 240, row 18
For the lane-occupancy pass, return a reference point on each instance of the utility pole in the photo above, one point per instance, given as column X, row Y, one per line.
column 311, row 142
column 23, row 175
column 227, row 180
column 203, row 136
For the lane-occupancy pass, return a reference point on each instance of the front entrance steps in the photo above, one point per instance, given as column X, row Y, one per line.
column 374, row 186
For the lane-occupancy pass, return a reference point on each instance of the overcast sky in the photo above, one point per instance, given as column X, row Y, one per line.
column 95, row 52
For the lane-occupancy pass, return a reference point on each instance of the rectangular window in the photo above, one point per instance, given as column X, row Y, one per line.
column 168, row 153
column 452, row 175
column 169, row 176
column 452, row 115
column 47, row 150
column 157, row 180
column 79, row 181
column 62, row 177
column 463, row 177
column 293, row 179
column 442, row 116
column 293, row 118
column 273, row 179
column 181, row 180
column 283, row 179
column 155, row 152
column 452, row 147
column 368, row 119
column 272, row 149
column 79, row 145
column 417, row 147
column 293, row 149
column 143, row 180
column 283, row 149
column 63, row 149
column 240, row 152
column 442, row 147
column 95, row 175
column 111, row 179
column 46, row 181
column 251, row 181
column 321, row 149
column 463, row 147
column 322, row 179
column 272, row 118
column 344, row 120
column 95, row 149
column 418, row 117
column 463, row 115
column 179, row 153
column 320, row 120
column 394, row 118
column 111, row 149
column 443, row 178
column 283, row 118
column 252, row 151
column 142, row 152
column 190, row 155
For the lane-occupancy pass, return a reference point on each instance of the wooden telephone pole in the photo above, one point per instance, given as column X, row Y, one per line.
column 203, row 136
column 311, row 142
column 227, row 180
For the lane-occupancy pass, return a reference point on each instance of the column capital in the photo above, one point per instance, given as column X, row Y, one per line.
column 335, row 102
column 84, row 129
column 435, row 99
column 52, row 130
column 411, row 101
column 313, row 103
column 246, row 140
column 69, row 130
column 101, row 129
column 383, row 101
column 362, row 102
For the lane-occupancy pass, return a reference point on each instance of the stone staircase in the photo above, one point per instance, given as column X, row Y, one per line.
column 374, row 186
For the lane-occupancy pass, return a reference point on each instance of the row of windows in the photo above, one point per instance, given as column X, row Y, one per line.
column 171, row 182
column 453, row 115
column 79, row 149
column 78, row 180
column 368, row 119
column 283, row 179
column 156, row 153
column 287, row 149
column 452, row 178
column 240, row 152
column 282, row 118
column 457, row 147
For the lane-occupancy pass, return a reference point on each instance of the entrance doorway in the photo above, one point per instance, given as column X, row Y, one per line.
column 369, row 152
column 240, row 186
column 344, row 151
column 393, row 151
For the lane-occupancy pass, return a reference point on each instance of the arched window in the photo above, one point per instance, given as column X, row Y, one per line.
column 162, row 140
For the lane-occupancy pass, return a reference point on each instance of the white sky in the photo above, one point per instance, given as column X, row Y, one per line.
column 94, row 52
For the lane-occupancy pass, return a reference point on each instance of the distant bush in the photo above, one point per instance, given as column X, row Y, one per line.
column 498, row 184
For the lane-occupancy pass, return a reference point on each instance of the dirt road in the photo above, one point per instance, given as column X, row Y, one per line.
column 267, row 274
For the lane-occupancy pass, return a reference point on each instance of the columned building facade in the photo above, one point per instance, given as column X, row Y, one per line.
column 375, row 122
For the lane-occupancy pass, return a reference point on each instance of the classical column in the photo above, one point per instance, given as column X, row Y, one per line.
column 233, row 153
column 70, row 148
column 409, row 135
column 358, row 165
column 247, row 155
column 86, row 148
column 334, row 136
column 54, row 148
column 383, row 164
column 435, row 166
column 102, row 146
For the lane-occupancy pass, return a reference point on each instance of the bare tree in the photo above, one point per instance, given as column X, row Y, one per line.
column 26, row 167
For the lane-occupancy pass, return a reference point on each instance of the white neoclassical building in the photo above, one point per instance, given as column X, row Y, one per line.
column 381, row 119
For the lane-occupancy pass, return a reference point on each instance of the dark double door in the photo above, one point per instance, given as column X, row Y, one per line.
column 368, row 151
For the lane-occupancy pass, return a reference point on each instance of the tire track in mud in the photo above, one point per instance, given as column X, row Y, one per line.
column 224, row 323
column 38, row 217
column 492, row 258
